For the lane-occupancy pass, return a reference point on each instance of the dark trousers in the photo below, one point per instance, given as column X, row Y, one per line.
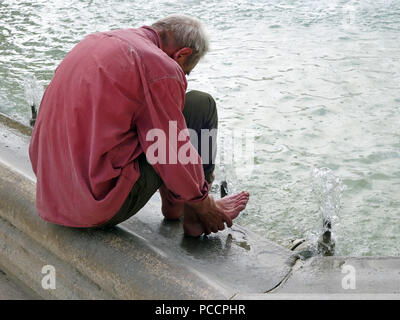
column 200, row 112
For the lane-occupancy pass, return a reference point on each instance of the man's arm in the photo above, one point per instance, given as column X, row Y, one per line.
column 164, row 102
column 185, row 182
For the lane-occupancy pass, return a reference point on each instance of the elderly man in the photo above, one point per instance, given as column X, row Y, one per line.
column 91, row 137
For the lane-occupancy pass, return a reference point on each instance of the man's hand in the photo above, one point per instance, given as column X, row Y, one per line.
column 213, row 214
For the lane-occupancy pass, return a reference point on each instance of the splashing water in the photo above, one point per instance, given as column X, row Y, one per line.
column 328, row 190
column 33, row 91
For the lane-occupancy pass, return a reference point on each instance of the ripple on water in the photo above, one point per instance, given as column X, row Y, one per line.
column 305, row 74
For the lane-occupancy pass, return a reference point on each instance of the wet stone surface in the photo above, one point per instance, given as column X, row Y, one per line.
column 234, row 257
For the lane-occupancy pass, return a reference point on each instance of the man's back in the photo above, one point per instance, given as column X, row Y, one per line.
column 85, row 139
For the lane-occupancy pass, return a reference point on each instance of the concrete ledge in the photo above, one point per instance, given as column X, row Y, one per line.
column 372, row 276
column 9, row 290
column 23, row 258
column 144, row 258
column 321, row 278
column 147, row 257
column 13, row 124
column 115, row 263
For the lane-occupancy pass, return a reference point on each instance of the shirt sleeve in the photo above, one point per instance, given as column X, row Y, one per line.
column 159, row 124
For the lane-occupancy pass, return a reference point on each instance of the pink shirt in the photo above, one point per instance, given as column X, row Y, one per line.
column 107, row 93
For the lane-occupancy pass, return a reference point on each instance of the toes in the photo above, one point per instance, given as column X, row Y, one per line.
column 241, row 201
column 242, row 195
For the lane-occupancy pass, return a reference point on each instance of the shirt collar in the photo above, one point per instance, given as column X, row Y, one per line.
column 152, row 35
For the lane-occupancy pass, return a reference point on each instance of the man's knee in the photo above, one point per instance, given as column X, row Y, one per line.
column 200, row 110
column 200, row 97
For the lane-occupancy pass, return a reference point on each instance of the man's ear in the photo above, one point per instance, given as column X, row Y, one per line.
column 184, row 52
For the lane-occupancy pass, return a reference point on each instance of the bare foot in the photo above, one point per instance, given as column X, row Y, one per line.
column 234, row 204
column 211, row 216
column 171, row 210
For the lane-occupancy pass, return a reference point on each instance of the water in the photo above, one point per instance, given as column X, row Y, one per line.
column 33, row 91
column 317, row 82
column 328, row 190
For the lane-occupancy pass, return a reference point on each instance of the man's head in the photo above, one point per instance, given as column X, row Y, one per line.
column 183, row 39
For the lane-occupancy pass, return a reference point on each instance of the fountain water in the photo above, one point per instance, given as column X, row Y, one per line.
column 224, row 188
column 328, row 190
column 33, row 95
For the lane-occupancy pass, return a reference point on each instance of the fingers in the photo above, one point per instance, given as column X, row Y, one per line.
column 218, row 228
column 214, row 227
column 228, row 221
column 218, row 213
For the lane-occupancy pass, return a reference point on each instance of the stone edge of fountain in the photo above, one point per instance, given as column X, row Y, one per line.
column 124, row 263
column 94, row 265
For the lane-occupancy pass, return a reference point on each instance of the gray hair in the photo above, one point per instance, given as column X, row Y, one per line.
column 187, row 31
